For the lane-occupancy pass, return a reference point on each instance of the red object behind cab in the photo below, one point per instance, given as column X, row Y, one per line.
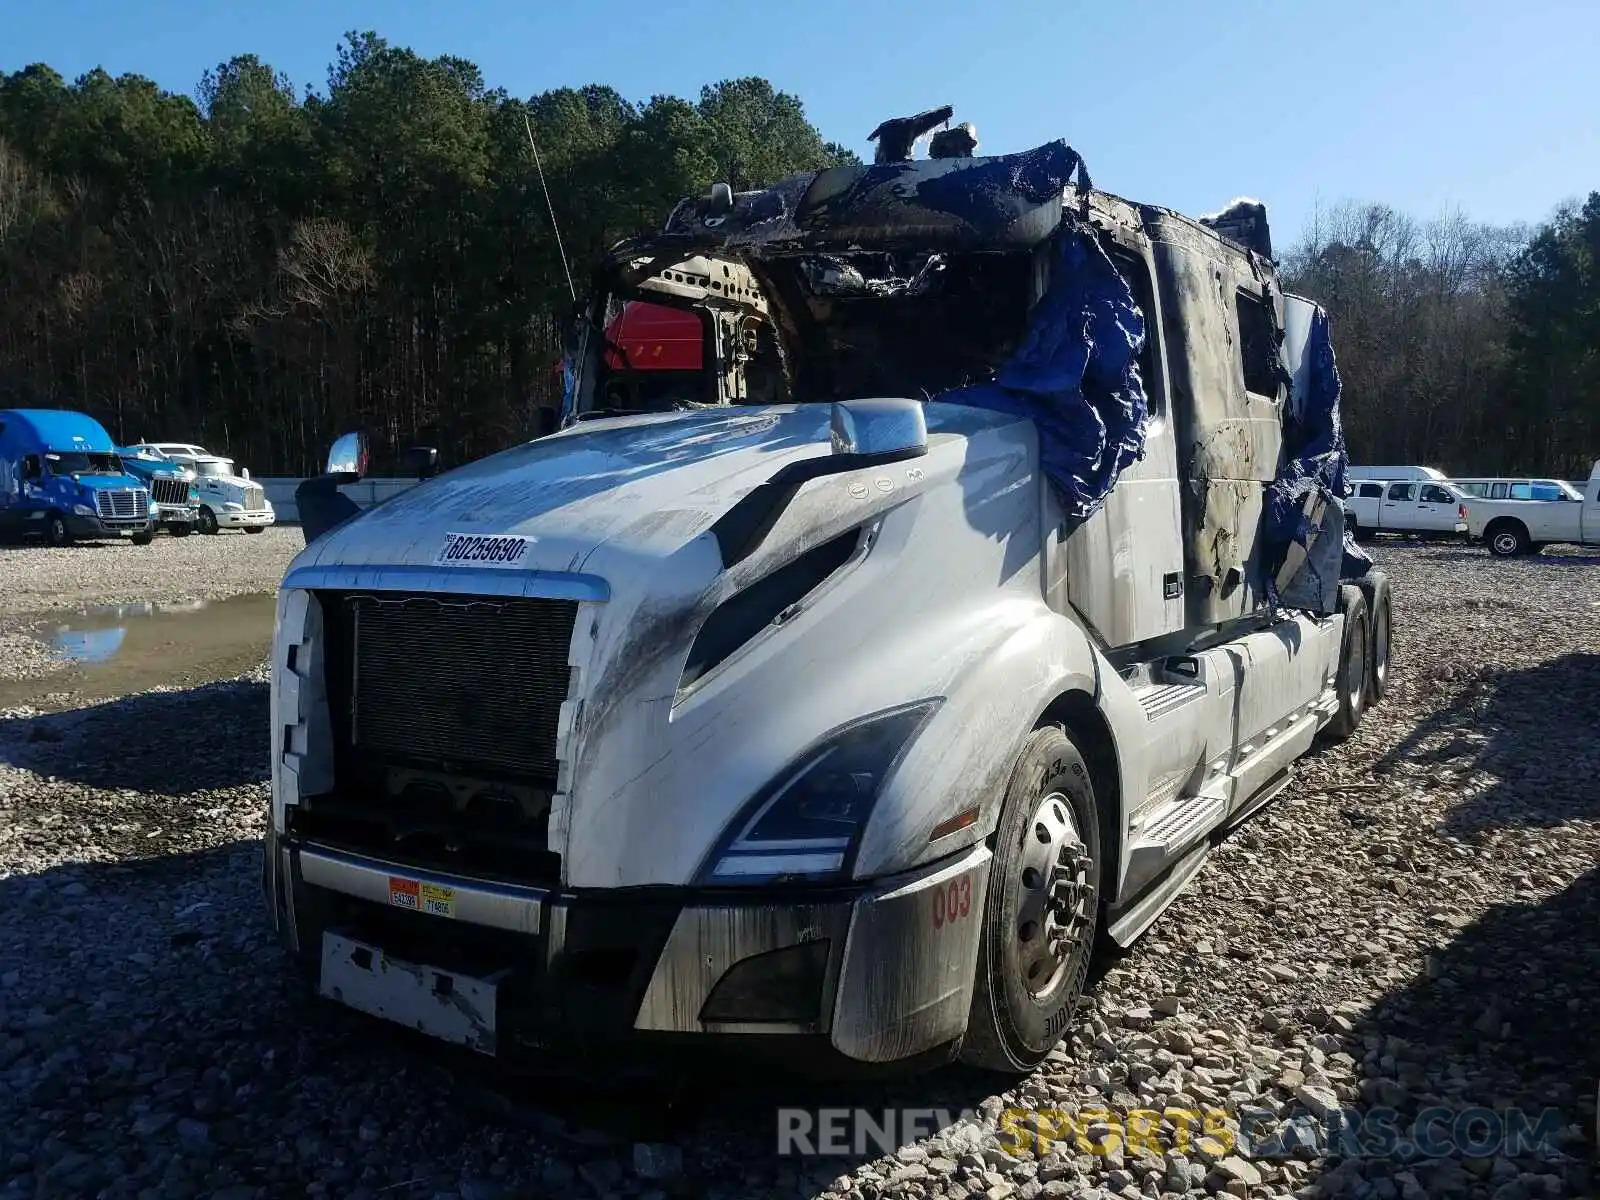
column 655, row 338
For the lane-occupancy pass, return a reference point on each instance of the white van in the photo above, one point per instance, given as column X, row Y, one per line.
column 1356, row 474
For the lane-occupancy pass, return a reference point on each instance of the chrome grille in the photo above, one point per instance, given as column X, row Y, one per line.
column 460, row 683
column 122, row 504
column 255, row 498
column 170, row 491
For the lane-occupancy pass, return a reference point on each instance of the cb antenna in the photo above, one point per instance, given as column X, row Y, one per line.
column 538, row 166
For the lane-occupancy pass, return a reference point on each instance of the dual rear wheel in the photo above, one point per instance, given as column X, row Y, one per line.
column 1363, row 674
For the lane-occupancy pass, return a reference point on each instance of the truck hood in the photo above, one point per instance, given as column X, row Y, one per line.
column 648, row 484
column 108, row 481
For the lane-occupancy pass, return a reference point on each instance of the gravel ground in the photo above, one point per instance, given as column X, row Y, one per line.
column 37, row 579
column 1415, row 925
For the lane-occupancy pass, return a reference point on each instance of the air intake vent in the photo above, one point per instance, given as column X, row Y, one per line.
column 744, row 614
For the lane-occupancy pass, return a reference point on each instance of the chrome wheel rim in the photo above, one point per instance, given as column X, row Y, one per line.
column 1505, row 544
column 1055, row 896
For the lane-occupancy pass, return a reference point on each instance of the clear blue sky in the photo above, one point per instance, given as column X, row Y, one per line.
column 1493, row 108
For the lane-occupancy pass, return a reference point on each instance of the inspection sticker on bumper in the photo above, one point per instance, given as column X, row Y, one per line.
column 483, row 550
column 440, row 901
column 405, row 893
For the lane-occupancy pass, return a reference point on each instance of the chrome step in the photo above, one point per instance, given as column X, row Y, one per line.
column 1175, row 828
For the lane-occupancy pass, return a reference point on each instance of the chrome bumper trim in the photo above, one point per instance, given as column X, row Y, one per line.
column 473, row 581
column 502, row 906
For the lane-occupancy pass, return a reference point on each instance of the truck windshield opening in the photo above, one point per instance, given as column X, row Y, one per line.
column 77, row 462
column 843, row 326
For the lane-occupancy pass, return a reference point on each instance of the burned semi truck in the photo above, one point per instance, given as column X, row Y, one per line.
column 992, row 569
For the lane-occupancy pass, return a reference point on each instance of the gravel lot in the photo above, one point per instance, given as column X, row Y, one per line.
column 1416, row 923
column 36, row 580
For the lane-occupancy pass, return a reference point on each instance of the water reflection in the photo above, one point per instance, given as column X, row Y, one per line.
column 113, row 650
column 87, row 645
column 99, row 631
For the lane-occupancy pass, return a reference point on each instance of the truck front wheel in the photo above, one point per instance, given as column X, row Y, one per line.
column 56, row 532
column 206, row 522
column 1042, row 911
column 180, row 529
column 1507, row 538
column 143, row 539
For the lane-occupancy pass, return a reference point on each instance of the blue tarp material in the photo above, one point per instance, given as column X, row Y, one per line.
column 1076, row 376
column 1313, row 462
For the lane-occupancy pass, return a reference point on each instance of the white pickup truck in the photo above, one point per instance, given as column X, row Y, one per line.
column 1426, row 507
column 1530, row 519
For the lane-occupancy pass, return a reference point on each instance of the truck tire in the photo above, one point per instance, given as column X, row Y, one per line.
column 1375, row 587
column 1043, row 908
column 180, row 529
column 1352, row 527
column 56, row 532
column 206, row 522
column 1507, row 538
column 143, row 539
column 1350, row 681
column 254, row 528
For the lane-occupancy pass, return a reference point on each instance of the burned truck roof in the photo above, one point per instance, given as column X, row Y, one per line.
column 983, row 203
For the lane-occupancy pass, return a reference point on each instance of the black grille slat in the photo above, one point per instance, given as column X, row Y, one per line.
column 170, row 491
column 466, row 685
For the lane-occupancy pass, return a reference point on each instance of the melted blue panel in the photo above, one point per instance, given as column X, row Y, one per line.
column 1314, row 461
column 1076, row 376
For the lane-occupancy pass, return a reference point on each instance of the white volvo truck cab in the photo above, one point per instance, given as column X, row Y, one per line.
column 227, row 497
column 995, row 572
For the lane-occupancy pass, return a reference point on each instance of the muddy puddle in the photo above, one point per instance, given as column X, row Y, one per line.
column 119, row 649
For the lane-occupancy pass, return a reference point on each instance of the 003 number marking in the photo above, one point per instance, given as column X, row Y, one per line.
column 952, row 902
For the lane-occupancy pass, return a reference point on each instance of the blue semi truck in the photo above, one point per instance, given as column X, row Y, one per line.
column 172, row 487
column 61, row 479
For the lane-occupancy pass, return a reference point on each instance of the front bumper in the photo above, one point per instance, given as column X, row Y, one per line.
column 80, row 526
column 886, row 969
column 172, row 514
column 241, row 520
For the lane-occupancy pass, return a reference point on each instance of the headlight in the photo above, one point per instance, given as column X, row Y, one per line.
column 155, row 509
column 84, row 510
column 805, row 825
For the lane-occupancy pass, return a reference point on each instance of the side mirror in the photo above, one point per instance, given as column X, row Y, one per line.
column 546, row 421
column 887, row 429
column 422, row 461
column 348, row 456
column 244, row 472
